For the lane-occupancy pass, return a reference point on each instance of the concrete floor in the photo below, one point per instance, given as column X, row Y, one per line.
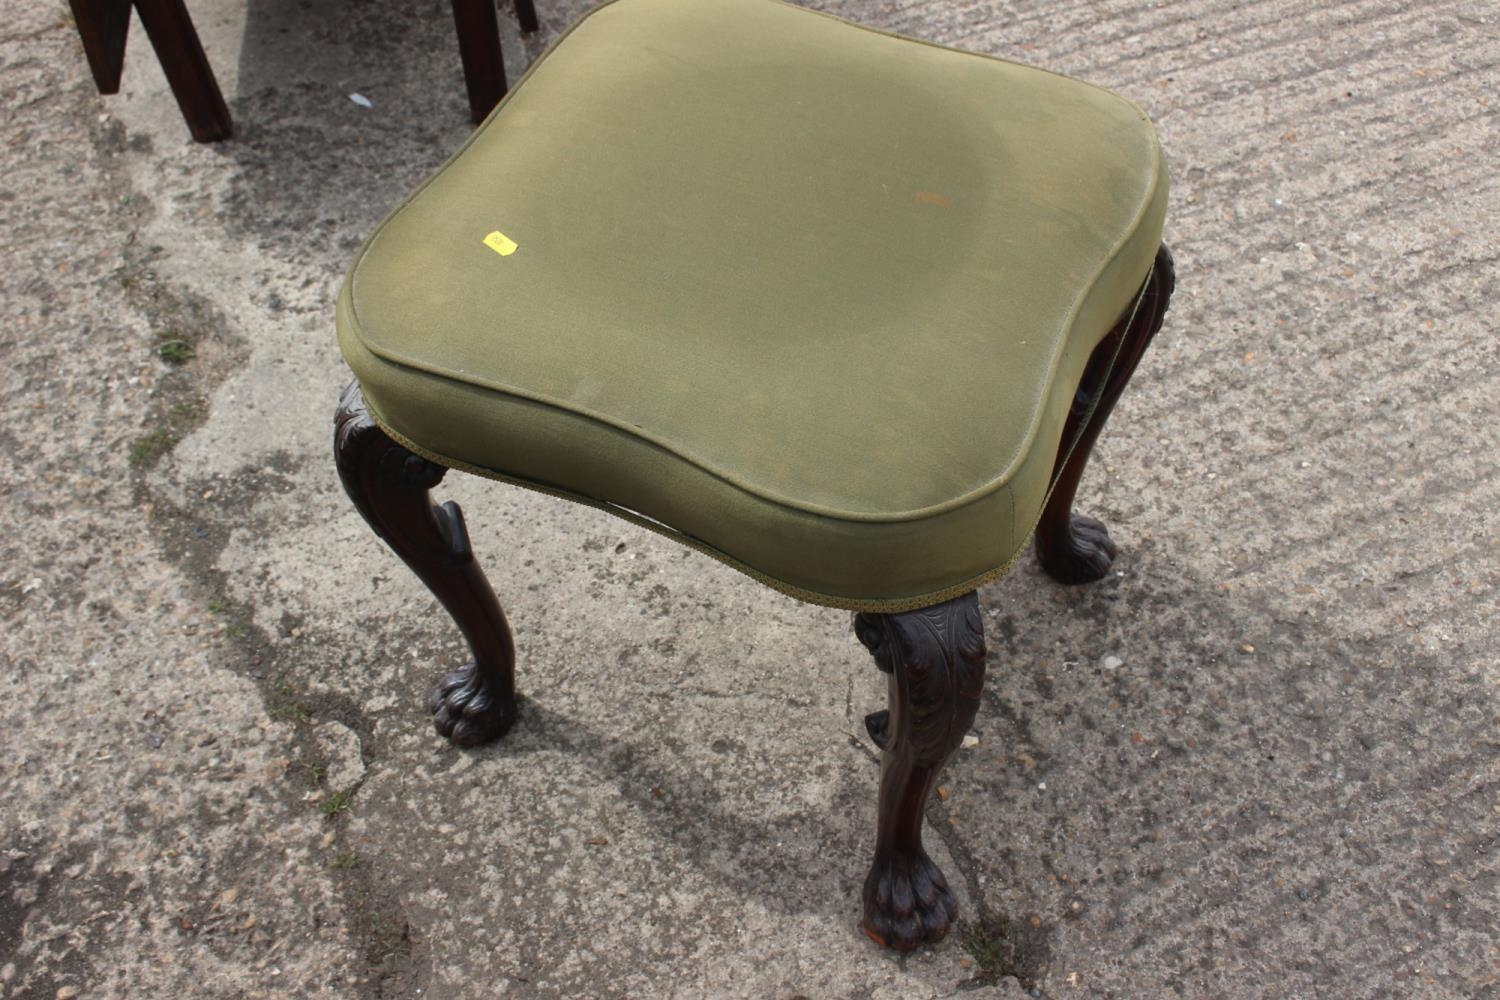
column 1261, row 760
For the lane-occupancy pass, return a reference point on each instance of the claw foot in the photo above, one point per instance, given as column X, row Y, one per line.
column 1084, row 556
column 466, row 713
column 907, row 902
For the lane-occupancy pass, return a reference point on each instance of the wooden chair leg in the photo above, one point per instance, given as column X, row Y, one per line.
column 935, row 658
column 1073, row 548
column 526, row 14
column 389, row 485
column 191, row 78
column 102, row 27
column 479, row 48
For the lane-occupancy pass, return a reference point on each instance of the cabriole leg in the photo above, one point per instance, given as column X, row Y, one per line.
column 389, row 484
column 1073, row 548
column 935, row 659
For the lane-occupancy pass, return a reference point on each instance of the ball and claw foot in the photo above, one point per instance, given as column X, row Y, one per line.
column 907, row 902
column 465, row 713
column 1086, row 555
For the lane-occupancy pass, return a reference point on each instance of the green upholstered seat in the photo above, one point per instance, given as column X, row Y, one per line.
column 811, row 297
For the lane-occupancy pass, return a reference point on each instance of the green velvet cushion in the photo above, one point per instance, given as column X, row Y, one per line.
column 813, row 296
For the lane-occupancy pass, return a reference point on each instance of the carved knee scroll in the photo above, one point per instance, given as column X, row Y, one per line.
column 935, row 659
column 1073, row 548
column 389, row 485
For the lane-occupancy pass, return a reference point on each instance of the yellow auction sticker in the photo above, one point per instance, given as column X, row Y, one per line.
column 500, row 243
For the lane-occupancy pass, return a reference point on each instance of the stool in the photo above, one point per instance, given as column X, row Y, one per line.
column 843, row 310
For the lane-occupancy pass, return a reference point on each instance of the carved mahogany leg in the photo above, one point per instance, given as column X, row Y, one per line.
column 389, row 484
column 1073, row 548
column 935, row 658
